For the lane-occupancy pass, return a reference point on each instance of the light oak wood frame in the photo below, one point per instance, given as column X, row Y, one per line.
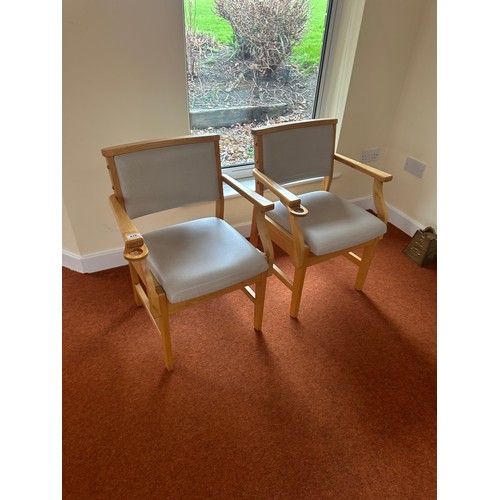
column 147, row 291
column 293, row 242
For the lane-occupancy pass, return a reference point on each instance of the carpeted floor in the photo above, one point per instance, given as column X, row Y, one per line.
column 340, row 403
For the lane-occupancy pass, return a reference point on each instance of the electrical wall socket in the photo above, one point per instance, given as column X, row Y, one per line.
column 414, row 167
column 369, row 155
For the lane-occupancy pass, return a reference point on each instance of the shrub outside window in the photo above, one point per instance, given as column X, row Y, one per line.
column 251, row 63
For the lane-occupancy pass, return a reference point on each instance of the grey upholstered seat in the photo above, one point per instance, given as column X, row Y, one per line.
column 332, row 223
column 201, row 256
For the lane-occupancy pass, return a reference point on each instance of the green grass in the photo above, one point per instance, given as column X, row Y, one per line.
column 202, row 18
column 306, row 55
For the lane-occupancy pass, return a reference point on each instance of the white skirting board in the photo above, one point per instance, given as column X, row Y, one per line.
column 94, row 262
column 396, row 217
column 114, row 258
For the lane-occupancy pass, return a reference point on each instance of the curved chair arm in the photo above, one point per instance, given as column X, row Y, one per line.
column 286, row 197
column 377, row 174
column 295, row 211
column 251, row 196
column 379, row 177
column 135, row 248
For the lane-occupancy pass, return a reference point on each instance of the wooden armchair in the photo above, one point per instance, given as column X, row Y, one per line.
column 179, row 265
column 319, row 225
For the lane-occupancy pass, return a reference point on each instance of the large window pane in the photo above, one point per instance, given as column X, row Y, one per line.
column 250, row 63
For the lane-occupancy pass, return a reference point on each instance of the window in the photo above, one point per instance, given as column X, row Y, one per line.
column 251, row 63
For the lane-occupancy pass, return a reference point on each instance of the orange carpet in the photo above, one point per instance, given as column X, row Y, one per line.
column 340, row 403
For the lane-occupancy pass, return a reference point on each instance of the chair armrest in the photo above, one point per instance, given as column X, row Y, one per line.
column 286, row 197
column 379, row 177
column 135, row 248
column 377, row 174
column 261, row 205
column 251, row 196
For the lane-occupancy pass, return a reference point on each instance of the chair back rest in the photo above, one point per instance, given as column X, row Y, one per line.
column 297, row 150
column 153, row 176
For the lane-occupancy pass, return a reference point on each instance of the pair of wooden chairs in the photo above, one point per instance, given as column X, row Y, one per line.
column 176, row 266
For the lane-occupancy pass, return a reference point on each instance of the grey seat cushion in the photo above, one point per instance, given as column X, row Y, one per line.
column 332, row 223
column 201, row 256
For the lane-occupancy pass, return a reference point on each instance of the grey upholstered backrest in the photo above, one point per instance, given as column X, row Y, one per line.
column 152, row 180
column 292, row 154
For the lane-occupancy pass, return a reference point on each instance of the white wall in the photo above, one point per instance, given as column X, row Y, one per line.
column 70, row 243
column 123, row 81
column 391, row 104
column 414, row 130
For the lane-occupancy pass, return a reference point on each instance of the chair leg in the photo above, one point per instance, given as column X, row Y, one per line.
column 135, row 281
column 164, row 326
column 366, row 260
column 260, row 294
column 298, row 283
